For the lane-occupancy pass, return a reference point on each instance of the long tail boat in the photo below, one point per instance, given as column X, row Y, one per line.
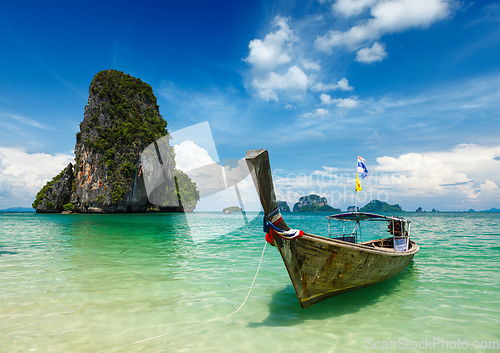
column 323, row 266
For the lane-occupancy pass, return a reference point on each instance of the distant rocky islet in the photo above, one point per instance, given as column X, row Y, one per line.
column 232, row 209
column 316, row 203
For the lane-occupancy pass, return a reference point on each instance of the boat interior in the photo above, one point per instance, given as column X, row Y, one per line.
column 387, row 243
column 399, row 228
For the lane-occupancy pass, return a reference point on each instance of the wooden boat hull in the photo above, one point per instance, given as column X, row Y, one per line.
column 321, row 267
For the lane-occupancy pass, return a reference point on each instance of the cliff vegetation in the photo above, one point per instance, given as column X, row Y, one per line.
column 232, row 209
column 380, row 206
column 283, row 206
column 313, row 203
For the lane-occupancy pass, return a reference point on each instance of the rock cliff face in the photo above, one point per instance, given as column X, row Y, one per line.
column 121, row 119
column 56, row 192
column 283, row 206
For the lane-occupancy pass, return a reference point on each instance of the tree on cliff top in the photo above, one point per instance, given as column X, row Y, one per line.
column 380, row 206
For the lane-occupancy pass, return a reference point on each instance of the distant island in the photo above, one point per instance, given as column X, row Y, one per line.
column 491, row 210
column 314, row 203
column 283, row 206
column 232, row 209
column 17, row 210
column 380, row 206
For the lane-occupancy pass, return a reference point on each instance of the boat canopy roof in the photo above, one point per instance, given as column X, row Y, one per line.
column 362, row 216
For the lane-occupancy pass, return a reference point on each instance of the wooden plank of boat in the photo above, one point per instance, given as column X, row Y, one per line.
column 321, row 267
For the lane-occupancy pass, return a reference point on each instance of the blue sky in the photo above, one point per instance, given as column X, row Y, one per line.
column 412, row 86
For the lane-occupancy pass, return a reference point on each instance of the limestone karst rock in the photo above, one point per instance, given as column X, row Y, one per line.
column 121, row 119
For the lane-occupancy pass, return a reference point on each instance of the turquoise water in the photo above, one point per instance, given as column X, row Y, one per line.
column 90, row 283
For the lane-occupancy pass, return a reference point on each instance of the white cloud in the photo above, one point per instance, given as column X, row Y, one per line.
column 351, row 102
column 348, row 103
column 369, row 55
column 386, row 17
column 399, row 15
column 343, row 85
column 318, row 113
column 24, row 174
column 267, row 94
column 310, row 65
column 274, row 50
column 189, row 156
column 326, row 99
column 489, row 191
column 420, row 173
column 474, row 160
column 266, row 57
column 295, row 79
column 352, row 7
column 328, row 41
column 455, row 174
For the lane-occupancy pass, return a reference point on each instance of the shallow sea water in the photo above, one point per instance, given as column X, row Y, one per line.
column 92, row 283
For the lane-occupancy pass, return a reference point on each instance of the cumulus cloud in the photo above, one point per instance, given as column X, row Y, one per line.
column 272, row 65
column 267, row 94
column 23, row 174
column 420, row 173
column 295, row 79
column 275, row 49
column 349, row 8
column 386, row 17
column 189, row 156
column 342, row 85
column 458, row 173
column 310, row 65
column 318, row 113
column 373, row 54
column 348, row 103
column 489, row 191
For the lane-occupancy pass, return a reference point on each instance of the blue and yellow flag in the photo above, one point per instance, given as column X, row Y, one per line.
column 362, row 167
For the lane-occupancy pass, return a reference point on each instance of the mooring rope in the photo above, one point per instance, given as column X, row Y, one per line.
column 203, row 323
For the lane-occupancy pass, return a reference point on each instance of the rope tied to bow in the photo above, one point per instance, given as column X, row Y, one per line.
column 270, row 227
